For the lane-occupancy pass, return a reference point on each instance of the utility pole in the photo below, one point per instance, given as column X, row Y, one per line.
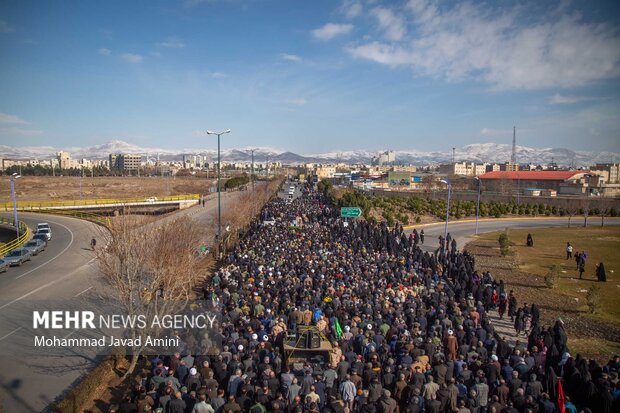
column 513, row 155
column 252, row 175
column 219, row 187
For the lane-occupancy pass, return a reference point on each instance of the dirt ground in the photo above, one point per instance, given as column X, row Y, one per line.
column 35, row 188
column 592, row 335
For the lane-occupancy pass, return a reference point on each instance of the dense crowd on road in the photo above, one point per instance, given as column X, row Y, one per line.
column 410, row 330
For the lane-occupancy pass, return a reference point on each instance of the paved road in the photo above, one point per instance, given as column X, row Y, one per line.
column 62, row 273
column 464, row 232
column 62, row 276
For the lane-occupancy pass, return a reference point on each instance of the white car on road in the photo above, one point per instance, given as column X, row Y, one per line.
column 45, row 231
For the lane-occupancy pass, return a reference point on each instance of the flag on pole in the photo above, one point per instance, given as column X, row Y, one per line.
column 561, row 400
column 338, row 329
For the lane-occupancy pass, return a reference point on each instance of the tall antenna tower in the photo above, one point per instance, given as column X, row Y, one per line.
column 513, row 155
column 453, row 157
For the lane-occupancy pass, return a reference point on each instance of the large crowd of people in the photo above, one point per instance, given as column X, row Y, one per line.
column 409, row 330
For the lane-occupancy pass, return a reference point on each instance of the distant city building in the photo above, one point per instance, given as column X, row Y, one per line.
column 564, row 182
column 384, row 158
column 65, row 161
column 463, row 169
column 492, row 167
column 610, row 170
column 125, row 162
column 8, row 162
column 404, row 168
column 325, row 171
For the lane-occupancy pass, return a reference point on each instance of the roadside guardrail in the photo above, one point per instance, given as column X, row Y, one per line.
column 39, row 205
column 18, row 242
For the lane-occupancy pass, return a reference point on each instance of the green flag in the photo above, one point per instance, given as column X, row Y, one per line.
column 338, row 329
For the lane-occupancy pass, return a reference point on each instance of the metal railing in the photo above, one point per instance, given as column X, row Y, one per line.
column 17, row 242
column 24, row 205
column 97, row 219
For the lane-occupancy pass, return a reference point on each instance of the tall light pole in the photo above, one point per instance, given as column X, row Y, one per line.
column 13, row 178
column 252, row 175
column 478, row 204
column 219, row 188
column 445, row 231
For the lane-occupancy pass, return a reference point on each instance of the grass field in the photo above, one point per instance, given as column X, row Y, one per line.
column 595, row 335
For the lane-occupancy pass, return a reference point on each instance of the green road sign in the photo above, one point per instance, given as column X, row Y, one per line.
column 350, row 212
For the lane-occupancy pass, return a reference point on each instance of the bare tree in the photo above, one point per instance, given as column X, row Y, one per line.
column 585, row 209
column 606, row 205
column 149, row 274
column 571, row 208
column 246, row 209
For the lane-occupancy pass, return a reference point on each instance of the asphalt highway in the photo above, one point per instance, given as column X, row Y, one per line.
column 62, row 273
column 464, row 232
column 64, row 276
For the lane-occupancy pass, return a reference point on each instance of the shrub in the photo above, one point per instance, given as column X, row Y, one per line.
column 551, row 278
column 516, row 261
column 504, row 243
column 593, row 298
column 236, row 181
column 418, row 219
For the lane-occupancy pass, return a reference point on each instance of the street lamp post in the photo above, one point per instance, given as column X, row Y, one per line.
column 478, row 204
column 252, row 175
column 13, row 178
column 445, row 231
column 219, row 188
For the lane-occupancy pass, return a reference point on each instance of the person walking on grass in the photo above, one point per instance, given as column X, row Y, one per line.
column 582, row 268
column 569, row 251
column 600, row 272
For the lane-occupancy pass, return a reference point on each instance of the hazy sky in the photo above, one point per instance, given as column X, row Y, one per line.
column 310, row 76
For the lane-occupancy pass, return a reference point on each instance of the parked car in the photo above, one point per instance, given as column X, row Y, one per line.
column 3, row 265
column 43, row 225
column 36, row 246
column 18, row 256
column 151, row 199
column 42, row 237
column 47, row 232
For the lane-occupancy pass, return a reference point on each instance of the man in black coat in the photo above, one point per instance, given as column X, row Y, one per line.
column 177, row 405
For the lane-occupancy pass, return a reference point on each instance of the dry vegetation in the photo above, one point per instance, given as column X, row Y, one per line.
column 150, row 273
column 524, row 270
column 35, row 188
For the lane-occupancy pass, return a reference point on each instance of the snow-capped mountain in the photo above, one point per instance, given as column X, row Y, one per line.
column 479, row 152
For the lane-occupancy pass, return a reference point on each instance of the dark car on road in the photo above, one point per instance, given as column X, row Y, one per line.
column 35, row 246
column 18, row 256
column 42, row 237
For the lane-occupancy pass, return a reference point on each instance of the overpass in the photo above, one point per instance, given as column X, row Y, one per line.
column 182, row 201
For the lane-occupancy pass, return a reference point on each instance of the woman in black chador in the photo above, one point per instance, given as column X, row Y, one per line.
column 600, row 272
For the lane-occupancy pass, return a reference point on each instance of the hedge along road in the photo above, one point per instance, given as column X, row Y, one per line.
column 64, row 273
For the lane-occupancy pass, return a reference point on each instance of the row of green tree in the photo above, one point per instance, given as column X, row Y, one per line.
column 39, row 170
column 236, row 181
column 399, row 208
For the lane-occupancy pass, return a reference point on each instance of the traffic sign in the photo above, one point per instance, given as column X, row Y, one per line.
column 350, row 212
